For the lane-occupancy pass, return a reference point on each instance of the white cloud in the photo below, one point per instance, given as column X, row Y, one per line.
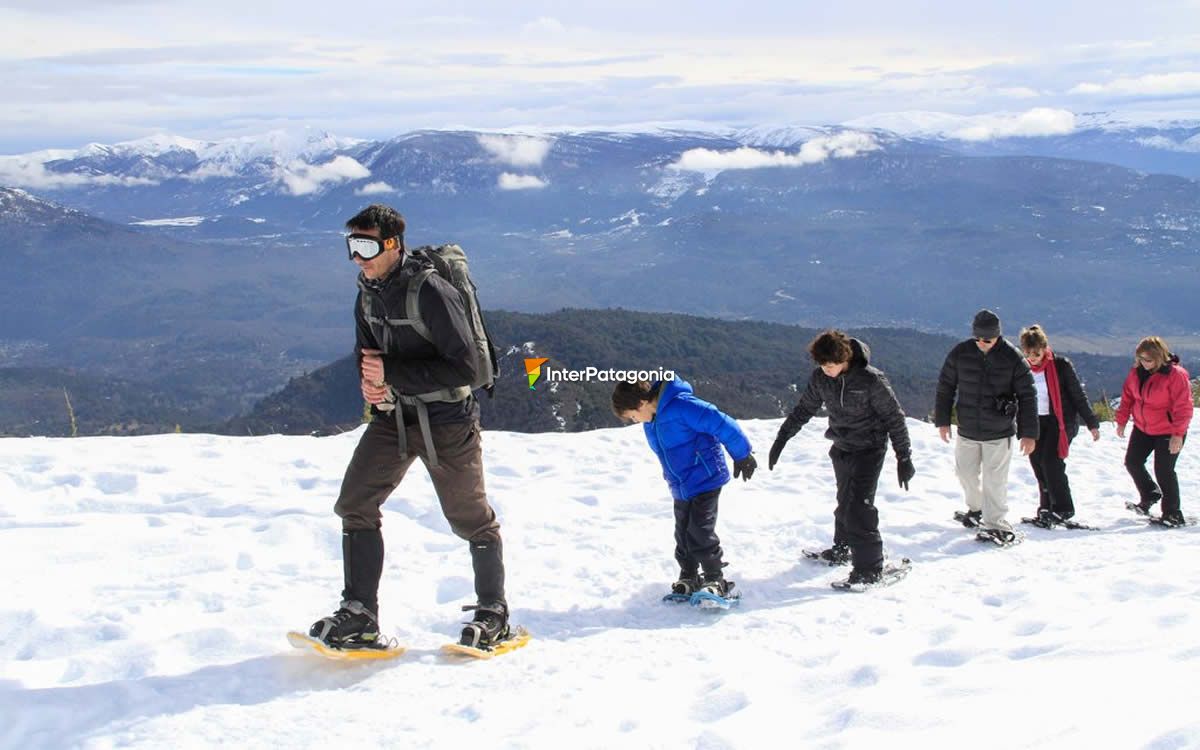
column 303, row 179
column 544, row 26
column 1039, row 121
column 1190, row 146
column 1156, row 84
column 23, row 171
column 375, row 188
column 510, row 181
column 517, row 150
column 840, row 146
column 1018, row 92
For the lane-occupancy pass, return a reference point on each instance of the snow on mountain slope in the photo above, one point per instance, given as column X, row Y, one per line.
column 149, row 582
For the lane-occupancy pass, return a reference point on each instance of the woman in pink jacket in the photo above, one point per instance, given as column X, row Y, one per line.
column 1158, row 395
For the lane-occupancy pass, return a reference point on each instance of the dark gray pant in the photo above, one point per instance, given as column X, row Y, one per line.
column 696, row 542
column 1054, row 489
column 856, row 522
column 376, row 471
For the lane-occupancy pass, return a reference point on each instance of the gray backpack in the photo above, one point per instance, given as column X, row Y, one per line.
column 450, row 262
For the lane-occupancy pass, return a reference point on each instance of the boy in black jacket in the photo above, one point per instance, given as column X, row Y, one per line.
column 863, row 413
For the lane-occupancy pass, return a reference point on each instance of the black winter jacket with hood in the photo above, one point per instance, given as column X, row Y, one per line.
column 973, row 380
column 1075, row 404
column 863, row 410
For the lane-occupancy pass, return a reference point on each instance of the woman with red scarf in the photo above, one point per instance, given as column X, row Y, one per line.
column 1158, row 395
column 1061, row 402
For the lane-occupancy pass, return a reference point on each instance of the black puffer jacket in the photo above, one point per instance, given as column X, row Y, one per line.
column 863, row 410
column 974, row 379
column 411, row 364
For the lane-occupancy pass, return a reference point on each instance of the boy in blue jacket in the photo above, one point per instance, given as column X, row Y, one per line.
column 686, row 433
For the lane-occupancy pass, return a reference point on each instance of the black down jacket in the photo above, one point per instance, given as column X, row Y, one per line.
column 863, row 410
column 973, row 380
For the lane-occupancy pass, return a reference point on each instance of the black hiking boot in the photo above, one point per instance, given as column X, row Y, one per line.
column 1047, row 519
column 866, row 575
column 688, row 583
column 1174, row 518
column 1141, row 508
column 717, row 585
column 352, row 626
column 999, row 536
column 838, row 554
column 972, row 518
column 487, row 628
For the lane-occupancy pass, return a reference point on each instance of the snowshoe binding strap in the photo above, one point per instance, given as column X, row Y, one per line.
column 475, row 634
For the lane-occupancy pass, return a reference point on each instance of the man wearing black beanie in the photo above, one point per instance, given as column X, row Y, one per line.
column 989, row 382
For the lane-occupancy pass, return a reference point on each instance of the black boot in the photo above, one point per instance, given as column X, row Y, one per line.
column 715, row 581
column 352, row 626
column 487, row 559
column 870, row 574
column 688, row 583
column 362, row 565
column 838, row 554
column 488, row 627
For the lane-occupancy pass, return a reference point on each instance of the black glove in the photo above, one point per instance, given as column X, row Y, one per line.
column 905, row 471
column 745, row 468
column 776, row 449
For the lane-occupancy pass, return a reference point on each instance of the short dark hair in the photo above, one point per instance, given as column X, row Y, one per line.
column 832, row 347
column 386, row 219
column 628, row 396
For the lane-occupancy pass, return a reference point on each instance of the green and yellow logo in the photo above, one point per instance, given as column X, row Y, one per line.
column 533, row 369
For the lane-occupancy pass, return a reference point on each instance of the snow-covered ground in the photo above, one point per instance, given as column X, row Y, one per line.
column 148, row 582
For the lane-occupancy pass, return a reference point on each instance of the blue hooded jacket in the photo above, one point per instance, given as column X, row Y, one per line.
column 686, row 434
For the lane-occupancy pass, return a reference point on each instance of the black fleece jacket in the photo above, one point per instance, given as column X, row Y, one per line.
column 411, row 364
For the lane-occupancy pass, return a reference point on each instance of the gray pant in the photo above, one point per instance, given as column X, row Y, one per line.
column 982, row 468
column 376, row 470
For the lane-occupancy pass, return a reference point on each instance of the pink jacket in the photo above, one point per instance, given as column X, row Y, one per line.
column 1162, row 405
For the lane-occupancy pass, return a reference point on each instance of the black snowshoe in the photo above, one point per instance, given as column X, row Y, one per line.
column 970, row 519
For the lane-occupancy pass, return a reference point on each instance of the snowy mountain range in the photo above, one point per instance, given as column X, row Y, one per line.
column 228, row 255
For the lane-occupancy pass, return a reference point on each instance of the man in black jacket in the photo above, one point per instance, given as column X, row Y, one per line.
column 989, row 382
column 863, row 413
column 396, row 362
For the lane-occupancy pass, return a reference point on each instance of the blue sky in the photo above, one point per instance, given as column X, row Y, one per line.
column 109, row 70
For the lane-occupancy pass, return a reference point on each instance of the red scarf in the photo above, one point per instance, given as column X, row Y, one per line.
column 1047, row 366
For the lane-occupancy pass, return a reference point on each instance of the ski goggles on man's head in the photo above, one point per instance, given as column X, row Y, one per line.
column 367, row 246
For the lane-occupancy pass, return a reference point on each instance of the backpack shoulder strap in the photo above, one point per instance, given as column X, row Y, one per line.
column 412, row 309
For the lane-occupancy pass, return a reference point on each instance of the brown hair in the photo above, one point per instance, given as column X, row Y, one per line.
column 831, row 347
column 1034, row 338
column 1154, row 345
column 628, row 396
